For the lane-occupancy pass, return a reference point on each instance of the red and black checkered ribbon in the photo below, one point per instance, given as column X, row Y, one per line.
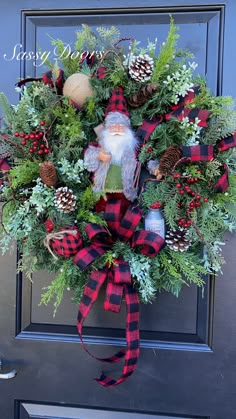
column 118, row 276
column 198, row 153
column 195, row 153
column 47, row 78
column 178, row 111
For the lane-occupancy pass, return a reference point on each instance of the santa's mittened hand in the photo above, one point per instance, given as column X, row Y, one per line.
column 104, row 157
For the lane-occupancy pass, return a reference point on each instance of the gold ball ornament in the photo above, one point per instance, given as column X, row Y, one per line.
column 77, row 88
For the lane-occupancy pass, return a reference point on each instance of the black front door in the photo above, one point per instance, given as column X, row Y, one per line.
column 186, row 368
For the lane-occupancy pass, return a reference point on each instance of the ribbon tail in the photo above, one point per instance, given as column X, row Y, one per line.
column 132, row 339
column 90, row 295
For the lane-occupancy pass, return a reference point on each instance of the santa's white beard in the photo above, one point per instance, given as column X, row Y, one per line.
column 117, row 144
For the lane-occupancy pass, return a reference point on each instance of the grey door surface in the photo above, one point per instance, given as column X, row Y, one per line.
column 187, row 363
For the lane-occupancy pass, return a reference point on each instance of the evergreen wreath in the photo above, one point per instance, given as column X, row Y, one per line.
column 185, row 171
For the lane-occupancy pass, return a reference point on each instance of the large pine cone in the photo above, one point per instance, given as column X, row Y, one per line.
column 169, row 159
column 178, row 240
column 65, row 200
column 143, row 95
column 141, row 68
column 48, row 173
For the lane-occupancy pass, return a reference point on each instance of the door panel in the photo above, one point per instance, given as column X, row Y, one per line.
column 28, row 410
column 195, row 378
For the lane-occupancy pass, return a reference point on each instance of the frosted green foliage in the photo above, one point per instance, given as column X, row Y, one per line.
column 180, row 82
column 72, row 171
column 140, row 271
column 42, row 197
column 212, row 258
column 192, row 129
column 33, row 107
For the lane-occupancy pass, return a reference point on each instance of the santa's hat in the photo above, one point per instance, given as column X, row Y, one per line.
column 117, row 111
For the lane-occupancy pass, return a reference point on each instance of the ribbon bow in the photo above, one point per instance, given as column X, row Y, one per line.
column 178, row 111
column 47, row 78
column 196, row 152
column 118, row 277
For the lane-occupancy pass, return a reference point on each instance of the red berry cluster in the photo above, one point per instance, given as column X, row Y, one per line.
column 35, row 138
column 195, row 203
column 184, row 223
column 49, row 226
column 156, row 205
column 149, row 150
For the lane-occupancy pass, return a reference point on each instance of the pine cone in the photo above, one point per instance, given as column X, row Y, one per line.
column 141, row 68
column 65, row 200
column 169, row 159
column 178, row 240
column 143, row 95
column 48, row 173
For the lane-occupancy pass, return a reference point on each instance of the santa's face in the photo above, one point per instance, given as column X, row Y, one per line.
column 116, row 139
column 117, row 129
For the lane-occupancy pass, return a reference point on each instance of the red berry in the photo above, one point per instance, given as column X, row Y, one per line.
column 198, row 196
column 16, row 134
column 35, row 143
column 27, row 137
column 23, row 142
column 176, row 175
column 31, row 150
column 178, row 185
column 192, row 204
column 40, row 134
column 186, row 225
column 192, row 180
column 180, row 223
column 197, row 204
column 200, row 172
column 32, row 136
column 188, row 181
column 193, row 193
column 22, row 135
column 46, row 151
column 40, row 152
column 42, row 146
column 181, row 192
column 196, row 179
column 205, row 199
column 37, row 137
column 35, row 148
column 42, row 123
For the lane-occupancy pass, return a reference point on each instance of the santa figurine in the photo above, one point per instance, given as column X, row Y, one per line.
column 113, row 159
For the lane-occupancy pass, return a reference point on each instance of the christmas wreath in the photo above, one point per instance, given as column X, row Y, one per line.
column 119, row 168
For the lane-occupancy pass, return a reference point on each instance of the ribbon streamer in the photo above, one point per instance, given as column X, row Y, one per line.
column 118, row 275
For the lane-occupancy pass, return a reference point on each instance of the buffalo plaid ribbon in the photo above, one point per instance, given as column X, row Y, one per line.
column 195, row 153
column 207, row 153
column 178, row 111
column 47, row 78
column 119, row 281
